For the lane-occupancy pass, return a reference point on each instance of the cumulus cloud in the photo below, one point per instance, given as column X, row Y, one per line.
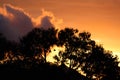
column 47, row 20
column 15, row 22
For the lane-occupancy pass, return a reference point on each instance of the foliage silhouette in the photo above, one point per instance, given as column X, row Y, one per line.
column 101, row 64
column 30, row 44
column 38, row 41
column 82, row 59
column 48, row 40
column 3, row 46
column 82, row 53
column 77, row 45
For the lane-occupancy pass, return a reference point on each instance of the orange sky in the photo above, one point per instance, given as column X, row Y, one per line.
column 100, row 17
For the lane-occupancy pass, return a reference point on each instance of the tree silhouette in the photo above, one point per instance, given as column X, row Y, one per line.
column 31, row 48
column 68, row 38
column 3, row 46
column 38, row 41
column 101, row 64
column 77, row 45
column 8, row 49
column 83, row 53
column 49, row 39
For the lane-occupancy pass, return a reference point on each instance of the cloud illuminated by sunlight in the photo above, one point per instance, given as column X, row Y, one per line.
column 50, row 19
column 15, row 22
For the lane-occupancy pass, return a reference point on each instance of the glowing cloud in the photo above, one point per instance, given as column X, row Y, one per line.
column 15, row 22
column 47, row 20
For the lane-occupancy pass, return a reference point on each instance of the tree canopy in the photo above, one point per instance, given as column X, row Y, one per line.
column 82, row 55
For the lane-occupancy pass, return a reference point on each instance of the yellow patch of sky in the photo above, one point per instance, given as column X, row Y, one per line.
column 54, row 51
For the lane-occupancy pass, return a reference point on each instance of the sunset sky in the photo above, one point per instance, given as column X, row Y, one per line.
column 99, row 17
